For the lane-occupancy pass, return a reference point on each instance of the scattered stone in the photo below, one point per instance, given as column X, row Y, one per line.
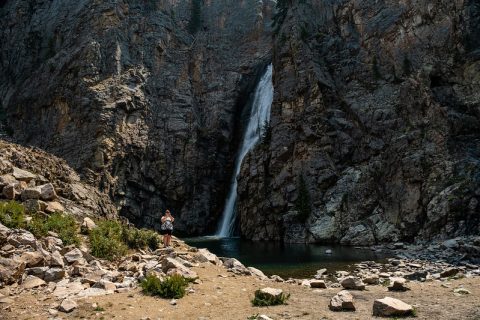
column 461, row 291
column 21, row 237
column 398, row 284
column 32, row 282
column 32, row 259
column 11, row 270
column 271, row 293
column 399, row 245
column 203, row 255
column 328, row 251
column 53, row 207
column 371, row 279
column 9, row 192
column 67, row 305
column 258, row 273
column 264, row 317
column 87, row 225
column 37, row 271
column 52, row 312
column 173, row 302
column 54, row 274
column 6, row 300
column 276, row 278
column 342, row 301
column 23, row 175
column 352, row 283
column 388, row 307
column 318, row 284
column 31, row 193
column 56, row 260
column 69, row 289
column 47, row 192
column 74, row 255
column 450, row 272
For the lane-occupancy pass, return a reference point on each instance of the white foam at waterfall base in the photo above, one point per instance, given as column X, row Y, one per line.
column 259, row 117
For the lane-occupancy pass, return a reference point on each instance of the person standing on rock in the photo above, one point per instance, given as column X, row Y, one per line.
column 167, row 228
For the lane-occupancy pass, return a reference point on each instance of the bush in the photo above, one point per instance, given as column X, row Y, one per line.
column 12, row 214
column 65, row 226
column 106, row 240
column 140, row 238
column 263, row 300
column 172, row 287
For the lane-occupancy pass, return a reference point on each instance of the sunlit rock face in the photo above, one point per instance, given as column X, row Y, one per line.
column 377, row 106
column 143, row 98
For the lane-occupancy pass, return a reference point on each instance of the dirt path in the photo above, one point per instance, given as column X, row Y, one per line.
column 222, row 295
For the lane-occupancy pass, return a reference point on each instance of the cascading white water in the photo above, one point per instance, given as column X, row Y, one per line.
column 259, row 116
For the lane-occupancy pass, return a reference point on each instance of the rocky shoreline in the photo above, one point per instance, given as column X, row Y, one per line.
column 67, row 274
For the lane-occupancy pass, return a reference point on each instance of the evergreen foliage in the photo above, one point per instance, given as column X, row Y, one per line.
column 195, row 17
column 302, row 204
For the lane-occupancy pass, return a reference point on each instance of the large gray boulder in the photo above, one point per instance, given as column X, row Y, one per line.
column 352, row 283
column 342, row 301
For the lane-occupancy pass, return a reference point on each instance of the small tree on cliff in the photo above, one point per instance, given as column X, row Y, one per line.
column 302, row 204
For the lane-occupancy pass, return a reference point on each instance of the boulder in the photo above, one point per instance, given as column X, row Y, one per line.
column 69, row 289
column 34, row 205
column 257, row 273
column 52, row 243
column 21, row 237
column 67, row 305
column 391, row 307
column 38, row 272
column 54, row 274
column 11, row 270
column 4, row 233
column 32, row 282
column 450, row 272
column 461, row 291
column 271, row 293
column 7, row 179
column 74, row 255
column 106, row 285
column 87, row 225
column 342, row 301
column 231, row 263
column 203, row 255
column 398, row 284
column 31, row 193
column 32, row 259
column 320, row 284
column 23, row 175
column 93, row 292
column 172, row 266
column 352, row 283
column 371, row 279
column 10, row 192
column 54, row 206
column 56, row 260
column 47, row 192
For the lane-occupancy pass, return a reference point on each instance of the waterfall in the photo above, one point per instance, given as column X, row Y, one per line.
column 259, row 117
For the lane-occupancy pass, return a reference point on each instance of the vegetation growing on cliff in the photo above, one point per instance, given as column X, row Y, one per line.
column 302, row 204
column 195, row 21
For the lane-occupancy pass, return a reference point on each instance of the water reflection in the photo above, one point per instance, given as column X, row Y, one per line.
column 286, row 260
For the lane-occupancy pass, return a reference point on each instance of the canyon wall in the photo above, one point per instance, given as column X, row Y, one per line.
column 142, row 98
column 375, row 130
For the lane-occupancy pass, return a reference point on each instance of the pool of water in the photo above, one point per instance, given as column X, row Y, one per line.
column 287, row 260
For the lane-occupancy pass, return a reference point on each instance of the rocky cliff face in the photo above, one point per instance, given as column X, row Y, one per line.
column 375, row 125
column 141, row 97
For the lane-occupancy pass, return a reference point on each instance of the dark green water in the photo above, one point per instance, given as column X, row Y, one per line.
column 286, row 260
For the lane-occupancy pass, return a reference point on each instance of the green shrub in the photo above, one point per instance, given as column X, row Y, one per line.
column 65, row 226
column 38, row 226
column 106, row 240
column 263, row 300
column 140, row 238
column 12, row 214
column 172, row 287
